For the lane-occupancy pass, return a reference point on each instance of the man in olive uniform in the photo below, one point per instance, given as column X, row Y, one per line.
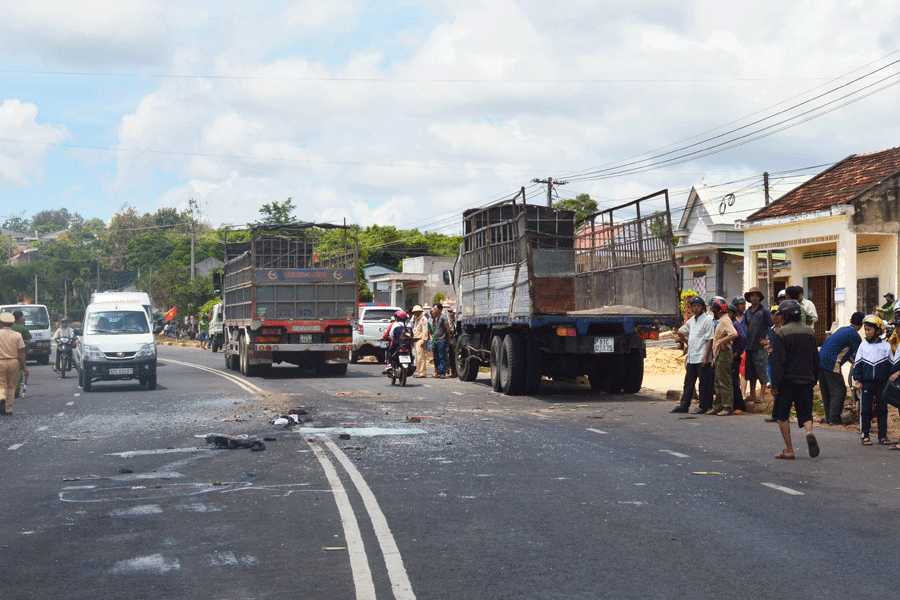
column 19, row 326
column 12, row 356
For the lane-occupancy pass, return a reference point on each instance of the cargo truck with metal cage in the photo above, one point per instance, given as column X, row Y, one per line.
column 284, row 303
column 539, row 294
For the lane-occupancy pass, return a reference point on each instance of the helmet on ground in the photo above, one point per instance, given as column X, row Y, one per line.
column 697, row 300
column 738, row 300
column 790, row 308
column 874, row 322
column 718, row 305
column 400, row 315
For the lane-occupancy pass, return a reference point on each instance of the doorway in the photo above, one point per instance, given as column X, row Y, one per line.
column 821, row 291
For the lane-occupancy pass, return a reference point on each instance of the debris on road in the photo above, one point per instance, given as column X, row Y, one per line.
column 333, row 548
column 705, row 473
column 344, row 436
column 230, row 442
column 288, row 420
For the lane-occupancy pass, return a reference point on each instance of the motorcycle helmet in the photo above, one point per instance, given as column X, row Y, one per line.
column 697, row 300
column 789, row 308
column 400, row 315
column 718, row 305
column 874, row 322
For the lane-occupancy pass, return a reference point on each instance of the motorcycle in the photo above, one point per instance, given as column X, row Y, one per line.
column 64, row 355
column 402, row 364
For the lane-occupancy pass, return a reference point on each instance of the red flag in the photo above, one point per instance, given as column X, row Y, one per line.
column 171, row 314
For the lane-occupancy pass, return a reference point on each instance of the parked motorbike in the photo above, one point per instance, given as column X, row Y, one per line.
column 403, row 363
column 64, row 354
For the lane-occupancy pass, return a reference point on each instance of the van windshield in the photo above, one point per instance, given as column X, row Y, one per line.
column 36, row 317
column 117, row 322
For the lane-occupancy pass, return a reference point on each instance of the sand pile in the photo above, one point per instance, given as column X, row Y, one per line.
column 664, row 361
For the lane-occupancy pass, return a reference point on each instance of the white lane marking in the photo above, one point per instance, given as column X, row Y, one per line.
column 44, row 428
column 156, row 564
column 76, row 395
column 359, row 562
column 243, row 383
column 598, row 431
column 393, row 561
column 673, row 453
column 130, row 453
column 781, row 488
column 15, row 447
column 69, row 403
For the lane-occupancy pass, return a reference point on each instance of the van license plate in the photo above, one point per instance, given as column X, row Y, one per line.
column 604, row 344
column 404, row 359
column 122, row 371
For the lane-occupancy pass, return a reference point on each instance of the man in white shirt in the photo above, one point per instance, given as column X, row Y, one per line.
column 62, row 331
column 697, row 333
column 810, row 308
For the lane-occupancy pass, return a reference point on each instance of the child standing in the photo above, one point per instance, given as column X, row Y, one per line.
column 871, row 369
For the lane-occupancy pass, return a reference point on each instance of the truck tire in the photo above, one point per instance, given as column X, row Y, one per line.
column 496, row 348
column 338, row 370
column 634, row 372
column 534, row 366
column 214, row 345
column 466, row 367
column 597, row 374
column 354, row 357
column 230, row 360
column 614, row 378
column 512, row 365
column 247, row 369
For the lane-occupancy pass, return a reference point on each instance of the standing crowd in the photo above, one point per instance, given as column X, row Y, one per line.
column 432, row 330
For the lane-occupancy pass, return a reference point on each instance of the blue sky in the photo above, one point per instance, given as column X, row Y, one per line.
column 407, row 113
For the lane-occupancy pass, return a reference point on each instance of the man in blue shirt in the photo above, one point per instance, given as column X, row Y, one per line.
column 838, row 348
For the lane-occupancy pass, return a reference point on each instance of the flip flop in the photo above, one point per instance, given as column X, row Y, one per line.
column 785, row 455
column 813, row 445
column 866, row 441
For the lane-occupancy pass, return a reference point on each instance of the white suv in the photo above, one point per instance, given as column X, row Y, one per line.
column 373, row 322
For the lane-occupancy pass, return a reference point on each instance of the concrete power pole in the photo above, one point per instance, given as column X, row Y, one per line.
column 770, row 284
column 549, row 183
column 193, row 238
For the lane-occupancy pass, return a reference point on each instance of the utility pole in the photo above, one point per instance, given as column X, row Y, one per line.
column 66, row 299
column 192, row 203
column 549, row 183
column 35, row 289
column 770, row 284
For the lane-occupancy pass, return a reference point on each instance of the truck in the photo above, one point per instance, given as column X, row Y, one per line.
column 539, row 296
column 284, row 303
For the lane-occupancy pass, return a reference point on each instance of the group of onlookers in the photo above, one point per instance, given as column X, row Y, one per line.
column 432, row 330
column 191, row 328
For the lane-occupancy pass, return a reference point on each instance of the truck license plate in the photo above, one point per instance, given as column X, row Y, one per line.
column 121, row 371
column 404, row 359
column 604, row 344
column 306, row 338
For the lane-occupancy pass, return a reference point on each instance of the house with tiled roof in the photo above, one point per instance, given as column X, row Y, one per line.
column 710, row 249
column 839, row 234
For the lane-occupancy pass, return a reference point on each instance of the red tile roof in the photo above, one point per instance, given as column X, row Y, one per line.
column 840, row 184
column 697, row 261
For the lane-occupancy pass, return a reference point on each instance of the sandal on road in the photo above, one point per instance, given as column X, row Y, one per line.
column 785, row 454
column 885, row 442
column 866, row 441
column 813, row 445
column 895, row 446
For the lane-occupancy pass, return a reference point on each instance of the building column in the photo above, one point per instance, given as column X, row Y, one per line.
column 750, row 274
column 845, row 276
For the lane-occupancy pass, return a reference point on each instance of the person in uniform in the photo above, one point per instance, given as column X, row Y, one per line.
column 12, row 355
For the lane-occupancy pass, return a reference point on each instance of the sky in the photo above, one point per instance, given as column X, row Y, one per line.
column 407, row 113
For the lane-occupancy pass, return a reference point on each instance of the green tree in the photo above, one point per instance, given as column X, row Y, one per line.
column 278, row 212
column 582, row 204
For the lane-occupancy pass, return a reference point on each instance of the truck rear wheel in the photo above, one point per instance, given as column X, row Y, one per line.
column 597, row 374
column 614, row 378
column 247, row 369
column 534, row 366
column 634, row 372
column 496, row 348
column 338, row 370
column 466, row 368
column 512, row 365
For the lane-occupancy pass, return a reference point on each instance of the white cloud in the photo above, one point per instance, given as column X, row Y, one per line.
column 24, row 144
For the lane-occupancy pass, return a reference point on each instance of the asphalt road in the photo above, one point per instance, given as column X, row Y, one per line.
column 571, row 494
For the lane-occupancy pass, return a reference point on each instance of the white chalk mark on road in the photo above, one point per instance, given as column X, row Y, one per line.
column 598, row 431
column 44, row 428
column 359, row 562
column 15, row 447
column 673, row 453
column 130, row 453
column 69, row 403
column 61, row 414
column 781, row 488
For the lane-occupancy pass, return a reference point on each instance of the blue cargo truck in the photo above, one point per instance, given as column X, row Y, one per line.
column 541, row 295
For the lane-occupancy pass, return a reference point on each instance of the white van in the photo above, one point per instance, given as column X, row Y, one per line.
column 37, row 320
column 116, row 343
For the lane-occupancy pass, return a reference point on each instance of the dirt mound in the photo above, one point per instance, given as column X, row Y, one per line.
column 664, row 361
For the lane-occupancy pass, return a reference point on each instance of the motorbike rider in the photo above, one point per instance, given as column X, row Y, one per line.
column 62, row 331
column 393, row 333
